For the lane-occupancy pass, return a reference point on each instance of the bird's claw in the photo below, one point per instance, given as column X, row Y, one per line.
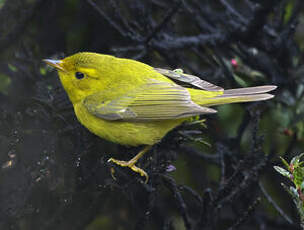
column 130, row 164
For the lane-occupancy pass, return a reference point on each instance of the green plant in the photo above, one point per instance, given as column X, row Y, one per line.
column 295, row 172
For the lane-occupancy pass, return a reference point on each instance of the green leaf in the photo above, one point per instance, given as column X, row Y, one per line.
column 295, row 160
column 298, row 174
column 288, row 11
column 12, row 68
column 284, row 162
column 2, row 3
column 42, row 71
column 256, row 74
column 180, row 71
column 300, row 90
column 5, row 82
column 239, row 80
column 282, row 171
column 201, row 140
column 287, row 189
column 293, row 191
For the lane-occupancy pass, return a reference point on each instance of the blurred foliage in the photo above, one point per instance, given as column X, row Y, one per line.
column 54, row 173
column 295, row 172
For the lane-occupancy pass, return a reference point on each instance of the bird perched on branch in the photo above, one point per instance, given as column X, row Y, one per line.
column 133, row 104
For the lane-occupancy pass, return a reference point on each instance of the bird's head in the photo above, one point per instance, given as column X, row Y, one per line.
column 80, row 74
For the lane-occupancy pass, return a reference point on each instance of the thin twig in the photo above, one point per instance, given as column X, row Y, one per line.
column 166, row 19
column 171, row 184
column 246, row 214
column 274, row 204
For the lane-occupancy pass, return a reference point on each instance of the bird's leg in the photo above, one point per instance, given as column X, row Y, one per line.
column 131, row 163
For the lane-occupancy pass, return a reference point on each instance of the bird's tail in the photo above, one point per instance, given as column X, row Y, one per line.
column 258, row 93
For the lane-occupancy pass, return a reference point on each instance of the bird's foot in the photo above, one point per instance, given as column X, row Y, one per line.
column 130, row 164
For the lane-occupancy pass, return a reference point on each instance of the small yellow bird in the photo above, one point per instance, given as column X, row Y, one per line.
column 131, row 103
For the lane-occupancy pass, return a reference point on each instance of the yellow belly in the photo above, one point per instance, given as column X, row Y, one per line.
column 125, row 133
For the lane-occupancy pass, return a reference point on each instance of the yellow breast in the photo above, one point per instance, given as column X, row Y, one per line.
column 125, row 133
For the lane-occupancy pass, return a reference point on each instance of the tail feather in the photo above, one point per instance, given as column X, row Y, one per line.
column 249, row 94
column 250, row 90
column 225, row 99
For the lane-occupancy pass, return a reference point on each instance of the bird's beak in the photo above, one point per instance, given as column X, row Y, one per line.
column 55, row 63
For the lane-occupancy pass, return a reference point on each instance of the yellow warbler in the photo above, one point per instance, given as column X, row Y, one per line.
column 131, row 103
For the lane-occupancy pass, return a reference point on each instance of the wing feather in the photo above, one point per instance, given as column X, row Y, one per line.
column 189, row 79
column 152, row 101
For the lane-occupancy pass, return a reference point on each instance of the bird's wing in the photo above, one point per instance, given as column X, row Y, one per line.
column 189, row 79
column 152, row 101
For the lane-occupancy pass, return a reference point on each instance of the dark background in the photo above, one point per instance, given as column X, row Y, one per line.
column 54, row 173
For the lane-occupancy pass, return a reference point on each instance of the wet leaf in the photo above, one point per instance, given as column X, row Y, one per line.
column 282, row 171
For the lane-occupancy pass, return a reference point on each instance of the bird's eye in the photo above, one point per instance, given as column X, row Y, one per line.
column 79, row 75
